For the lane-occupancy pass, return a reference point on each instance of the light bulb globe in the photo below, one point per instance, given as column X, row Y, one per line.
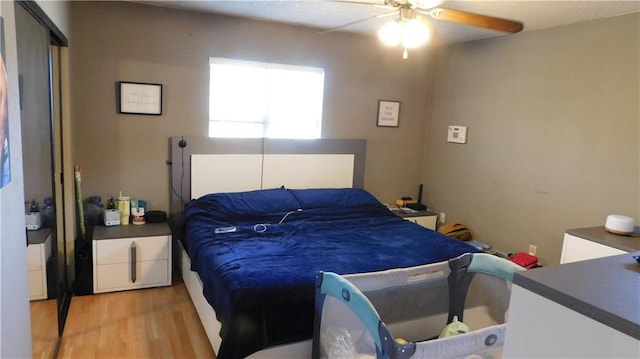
column 391, row 33
column 415, row 33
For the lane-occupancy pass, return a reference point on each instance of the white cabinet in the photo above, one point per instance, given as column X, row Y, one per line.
column 586, row 309
column 428, row 221
column 38, row 253
column 131, row 257
column 595, row 242
column 574, row 334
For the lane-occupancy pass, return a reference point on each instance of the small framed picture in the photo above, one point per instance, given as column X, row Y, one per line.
column 388, row 113
column 140, row 98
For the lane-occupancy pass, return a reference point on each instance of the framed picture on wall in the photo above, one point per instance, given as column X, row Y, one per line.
column 140, row 98
column 388, row 113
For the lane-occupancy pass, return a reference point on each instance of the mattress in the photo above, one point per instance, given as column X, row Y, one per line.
column 258, row 254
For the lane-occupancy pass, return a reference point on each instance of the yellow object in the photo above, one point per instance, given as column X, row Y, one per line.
column 454, row 328
column 456, row 230
column 124, row 208
column 399, row 203
column 401, row 341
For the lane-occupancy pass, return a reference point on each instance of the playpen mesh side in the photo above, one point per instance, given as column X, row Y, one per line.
column 342, row 334
column 413, row 304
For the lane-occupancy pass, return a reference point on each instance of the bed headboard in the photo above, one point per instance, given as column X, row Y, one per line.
column 207, row 165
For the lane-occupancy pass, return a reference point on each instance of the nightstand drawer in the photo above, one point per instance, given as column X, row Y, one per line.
column 119, row 250
column 424, row 221
column 119, row 276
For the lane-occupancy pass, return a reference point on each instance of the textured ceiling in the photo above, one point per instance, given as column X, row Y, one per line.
column 327, row 14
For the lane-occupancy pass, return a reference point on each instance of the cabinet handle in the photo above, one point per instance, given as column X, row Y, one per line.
column 133, row 250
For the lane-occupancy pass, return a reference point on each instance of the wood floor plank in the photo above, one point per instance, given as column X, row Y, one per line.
column 44, row 328
column 145, row 323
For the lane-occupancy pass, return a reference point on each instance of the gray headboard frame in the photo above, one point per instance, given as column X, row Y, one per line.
column 180, row 160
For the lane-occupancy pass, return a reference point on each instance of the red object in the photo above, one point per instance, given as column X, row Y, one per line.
column 524, row 260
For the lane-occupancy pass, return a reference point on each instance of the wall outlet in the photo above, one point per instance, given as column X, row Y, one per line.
column 441, row 218
column 533, row 249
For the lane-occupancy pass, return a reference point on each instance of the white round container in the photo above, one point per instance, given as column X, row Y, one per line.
column 619, row 224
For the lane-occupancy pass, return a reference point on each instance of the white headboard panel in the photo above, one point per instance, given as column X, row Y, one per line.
column 224, row 173
column 308, row 171
column 213, row 173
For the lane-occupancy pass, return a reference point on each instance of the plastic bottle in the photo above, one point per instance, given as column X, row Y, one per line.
column 124, row 208
column 111, row 204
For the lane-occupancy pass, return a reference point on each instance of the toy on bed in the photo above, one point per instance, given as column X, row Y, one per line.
column 399, row 313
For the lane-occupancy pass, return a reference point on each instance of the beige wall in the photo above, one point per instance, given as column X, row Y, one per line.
column 553, row 119
column 553, row 114
column 131, row 42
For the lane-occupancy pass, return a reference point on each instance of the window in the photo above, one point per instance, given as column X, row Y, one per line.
column 253, row 99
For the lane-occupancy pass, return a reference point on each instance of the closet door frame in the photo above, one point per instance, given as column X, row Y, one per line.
column 57, row 40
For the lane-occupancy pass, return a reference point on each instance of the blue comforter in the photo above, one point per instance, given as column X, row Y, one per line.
column 258, row 252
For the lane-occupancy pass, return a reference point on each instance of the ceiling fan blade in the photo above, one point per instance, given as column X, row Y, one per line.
column 381, row 4
column 468, row 18
column 363, row 2
column 378, row 16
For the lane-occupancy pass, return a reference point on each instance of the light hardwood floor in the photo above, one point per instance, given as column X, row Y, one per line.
column 145, row 323
column 44, row 328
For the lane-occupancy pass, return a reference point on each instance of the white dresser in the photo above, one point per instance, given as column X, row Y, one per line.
column 38, row 254
column 595, row 242
column 586, row 309
column 131, row 257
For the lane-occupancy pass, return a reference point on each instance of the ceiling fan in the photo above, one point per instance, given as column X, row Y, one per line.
column 411, row 32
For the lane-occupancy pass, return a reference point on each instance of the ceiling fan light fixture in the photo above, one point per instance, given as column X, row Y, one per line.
column 391, row 33
column 415, row 33
column 409, row 33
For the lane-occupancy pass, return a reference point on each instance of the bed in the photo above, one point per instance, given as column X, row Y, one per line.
column 250, row 251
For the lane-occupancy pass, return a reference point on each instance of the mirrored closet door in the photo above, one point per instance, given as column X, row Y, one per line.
column 49, row 292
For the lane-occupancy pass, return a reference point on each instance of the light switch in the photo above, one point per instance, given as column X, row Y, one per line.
column 457, row 134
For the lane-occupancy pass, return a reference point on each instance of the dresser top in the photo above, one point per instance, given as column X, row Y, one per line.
column 603, row 289
column 39, row 236
column 600, row 235
column 131, row 230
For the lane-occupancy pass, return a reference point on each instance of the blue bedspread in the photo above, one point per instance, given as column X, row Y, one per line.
column 259, row 274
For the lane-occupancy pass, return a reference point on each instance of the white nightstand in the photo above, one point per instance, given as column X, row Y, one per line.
column 38, row 253
column 131, row 257
column 426, row 219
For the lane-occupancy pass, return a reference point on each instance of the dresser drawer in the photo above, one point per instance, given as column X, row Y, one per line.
column 119, row 276
column 37, row 289
column 576, row 249
column 114, row 251
column 34, row 257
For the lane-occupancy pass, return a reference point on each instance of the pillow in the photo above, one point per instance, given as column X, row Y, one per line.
column 334, row 197
column 251, row 203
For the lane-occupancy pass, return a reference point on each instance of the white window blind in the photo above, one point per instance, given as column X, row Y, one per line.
column 253, row 99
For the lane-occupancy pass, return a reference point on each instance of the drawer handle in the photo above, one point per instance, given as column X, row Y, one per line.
column 133, row 262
